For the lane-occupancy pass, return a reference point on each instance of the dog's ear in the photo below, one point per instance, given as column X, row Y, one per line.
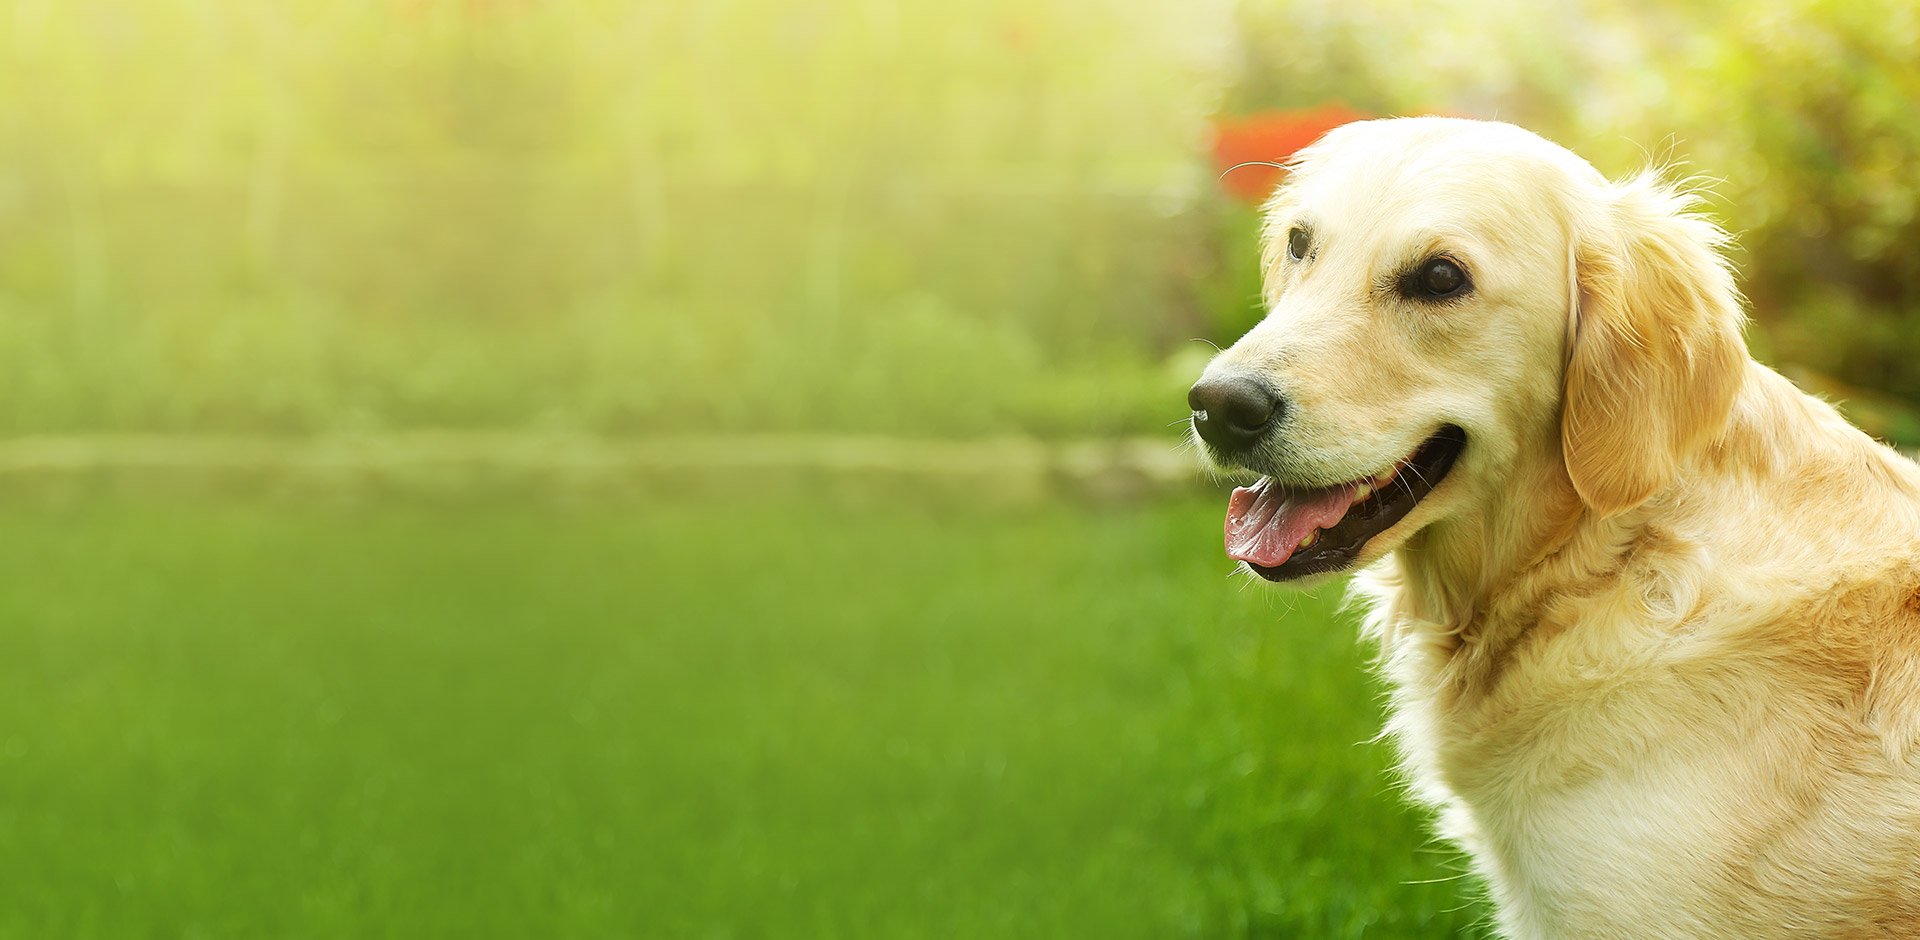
column 1655, row 352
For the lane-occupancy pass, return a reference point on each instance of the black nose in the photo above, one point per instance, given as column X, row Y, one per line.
column 1231, row 411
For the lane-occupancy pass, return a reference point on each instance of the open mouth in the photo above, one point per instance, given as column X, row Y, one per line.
column 1285, row 532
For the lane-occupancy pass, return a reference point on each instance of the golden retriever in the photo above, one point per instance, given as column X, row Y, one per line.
column 1650, row 615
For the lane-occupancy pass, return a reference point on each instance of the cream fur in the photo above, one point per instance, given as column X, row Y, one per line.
column 1654, row 643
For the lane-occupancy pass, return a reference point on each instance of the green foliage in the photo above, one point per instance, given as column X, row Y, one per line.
column 604, row 215
column 1814, row 128
column 631, row 217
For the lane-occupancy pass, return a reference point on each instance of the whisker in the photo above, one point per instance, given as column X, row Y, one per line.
column 1277, row 166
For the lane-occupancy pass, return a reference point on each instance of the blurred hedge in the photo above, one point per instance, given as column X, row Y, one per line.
column 855, row 215
column 599, row 215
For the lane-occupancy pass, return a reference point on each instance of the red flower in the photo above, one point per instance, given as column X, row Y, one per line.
column 1242, row 144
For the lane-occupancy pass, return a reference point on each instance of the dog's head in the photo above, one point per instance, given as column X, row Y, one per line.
column 1448, row 300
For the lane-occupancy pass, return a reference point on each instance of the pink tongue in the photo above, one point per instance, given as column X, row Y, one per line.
column 1266, row 522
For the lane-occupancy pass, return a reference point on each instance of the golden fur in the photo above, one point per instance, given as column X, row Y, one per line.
column 1654, row 642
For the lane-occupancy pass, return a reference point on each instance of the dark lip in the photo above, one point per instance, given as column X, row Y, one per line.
column 1337, row 547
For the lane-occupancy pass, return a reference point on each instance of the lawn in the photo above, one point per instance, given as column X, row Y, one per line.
column 754, row 718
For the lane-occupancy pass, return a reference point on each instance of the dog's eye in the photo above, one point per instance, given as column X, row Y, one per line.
column 1438, row 278
column 1299, row 242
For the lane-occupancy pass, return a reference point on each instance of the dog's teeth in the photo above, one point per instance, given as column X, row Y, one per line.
column 1385, row 477
column 1363, row 491
column 1310, row 538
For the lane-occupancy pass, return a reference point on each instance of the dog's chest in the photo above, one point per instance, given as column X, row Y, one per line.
column 1587, row 800
column 1576, row 859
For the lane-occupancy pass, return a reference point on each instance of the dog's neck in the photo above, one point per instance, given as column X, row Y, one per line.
column 1476, row 585
column 1536, row 536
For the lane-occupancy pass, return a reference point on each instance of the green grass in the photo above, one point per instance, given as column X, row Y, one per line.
column 250, row 719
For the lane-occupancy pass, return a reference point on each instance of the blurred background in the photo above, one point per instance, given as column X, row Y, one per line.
column 521, row 467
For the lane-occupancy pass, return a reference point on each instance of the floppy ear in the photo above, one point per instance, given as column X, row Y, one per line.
column 1656, row 352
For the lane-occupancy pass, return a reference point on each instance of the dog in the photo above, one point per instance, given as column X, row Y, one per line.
column 1649, row 614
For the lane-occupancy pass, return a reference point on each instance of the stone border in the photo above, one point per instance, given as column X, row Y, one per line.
column 430, row 460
